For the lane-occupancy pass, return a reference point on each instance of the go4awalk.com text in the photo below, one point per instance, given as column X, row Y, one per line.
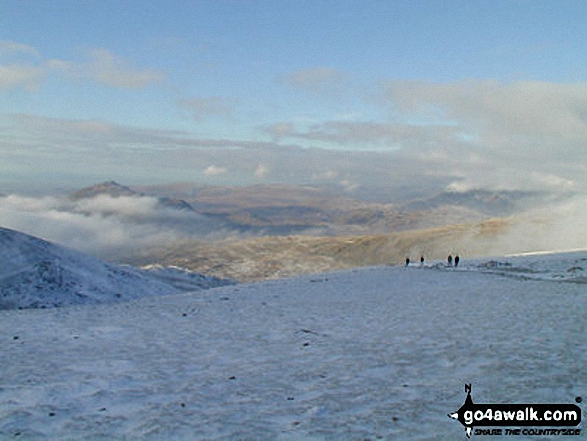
column 518, row 419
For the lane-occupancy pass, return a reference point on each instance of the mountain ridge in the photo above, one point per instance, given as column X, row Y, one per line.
column 35, row 273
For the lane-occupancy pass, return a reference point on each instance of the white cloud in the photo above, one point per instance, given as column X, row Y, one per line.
column 214, row 170
column 69, row 149
column 18, row 75
column 102, row 67
column 559, row 226
column 102, row 225
column 459, row 187
column 261, row 171
column 10, row 47
column 520, row 115
column 124, row 205
column 325, row 175
column 365, row 134
column 349, row 186
column 112, row 70
column 525, row 135
column 471, row 134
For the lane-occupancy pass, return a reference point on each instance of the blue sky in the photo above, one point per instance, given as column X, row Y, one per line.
column 436, row 94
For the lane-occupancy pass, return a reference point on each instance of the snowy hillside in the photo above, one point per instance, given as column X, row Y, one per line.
column 564, row 267
column 38, row 274
column 376, row 353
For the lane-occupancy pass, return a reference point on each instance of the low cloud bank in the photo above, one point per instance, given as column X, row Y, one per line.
column 103, row 226
column 561, row 226
column 109, row 227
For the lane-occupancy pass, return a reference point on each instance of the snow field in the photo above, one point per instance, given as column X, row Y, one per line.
column 376, row 353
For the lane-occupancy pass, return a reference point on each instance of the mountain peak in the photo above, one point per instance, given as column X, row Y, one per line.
column 110, row 188
column 116, row 190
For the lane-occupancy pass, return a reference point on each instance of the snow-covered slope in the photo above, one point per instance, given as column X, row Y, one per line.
column 375, row 353
column 185, row 280
column 37, row 274
column 569, row 267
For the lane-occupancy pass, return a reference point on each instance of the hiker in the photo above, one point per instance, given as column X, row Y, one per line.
column 407, row 261
column 421, row 260
column 450, row 260
column 457, row 261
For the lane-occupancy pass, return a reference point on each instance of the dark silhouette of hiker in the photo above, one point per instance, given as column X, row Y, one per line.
column 422, row 260
column 449, row 260
column 407, row 261
column 457, row 261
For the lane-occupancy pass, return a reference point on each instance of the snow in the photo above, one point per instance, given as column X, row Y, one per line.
column 183, row 279
column 37, row 274
column 374, row 353
column 567, row 267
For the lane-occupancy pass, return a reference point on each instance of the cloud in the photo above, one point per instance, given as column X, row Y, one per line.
column 214, row 170
column 261, row 171
column 87, row 135
column 468, row 134
column 478, row 134
column 61, row 135
column 102, row 67
column 559, row 226
column 525, row 113
column 102, row 226
column 316, row 79
column 326, row 175
column 349, row 185
column 109, row 69
column 201, row 108
column 73, row 152
column 433, row 136
column 17, row 75
column 279, row 131
column 365, row 134
column 11, row 48
column 127, row 206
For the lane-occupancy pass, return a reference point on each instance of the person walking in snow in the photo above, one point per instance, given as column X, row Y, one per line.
column 407, row 261
column 421, row 260
column 450, row 260
column 457, row 260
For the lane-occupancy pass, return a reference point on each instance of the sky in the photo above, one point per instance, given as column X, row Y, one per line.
column 427, row 95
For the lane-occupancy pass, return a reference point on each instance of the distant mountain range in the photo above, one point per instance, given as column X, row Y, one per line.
column 274, row 231
column 285, row 210
column 492, row 203
column 38, row 274
column 290, row 230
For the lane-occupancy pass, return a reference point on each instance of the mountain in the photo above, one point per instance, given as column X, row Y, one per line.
column 38, row 274
column 273, row 257
column 379, row 353
column 326, row 210
column 110, row 188
column 285, row 210
column 116, row 190
column 492, row 203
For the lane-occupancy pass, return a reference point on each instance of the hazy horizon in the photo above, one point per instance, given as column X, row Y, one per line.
column 447, row 95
